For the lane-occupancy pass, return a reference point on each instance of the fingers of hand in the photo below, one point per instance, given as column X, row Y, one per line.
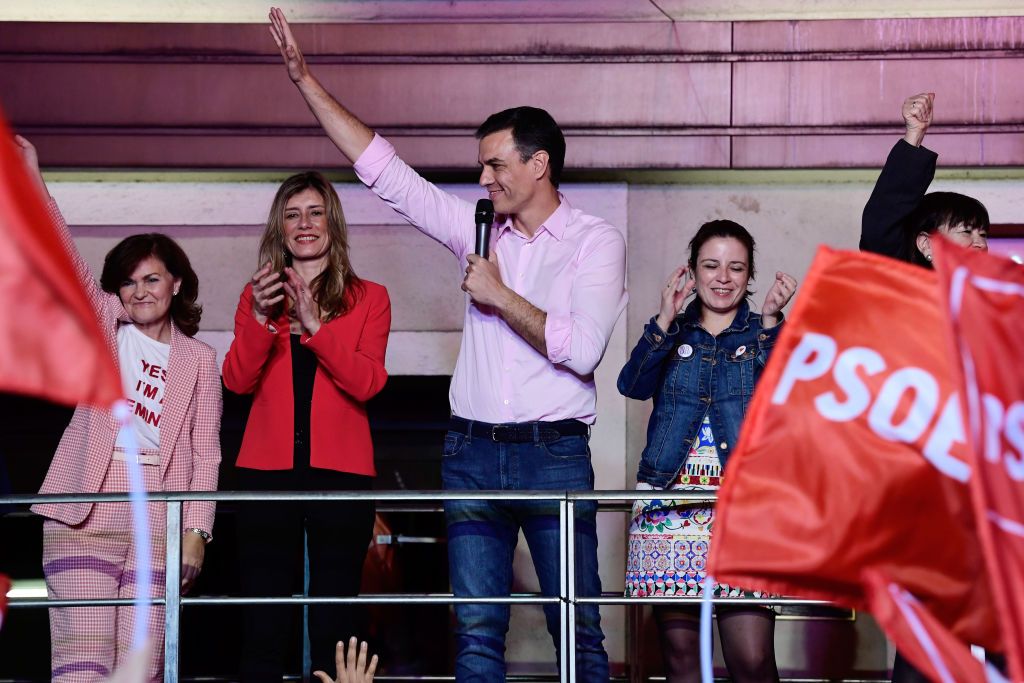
column 264, row 298
column 350, row 659
column 268, row 279
column 286, row 29
column 261, row 273
column 189, row 574
column 323, row 677
column 373, row 668
column 361, row 661
column 267, row 303
column 293, row 278
column 917, row 107
column 268, row 290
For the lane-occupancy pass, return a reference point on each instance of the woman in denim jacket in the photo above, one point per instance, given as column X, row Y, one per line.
column 700, row 365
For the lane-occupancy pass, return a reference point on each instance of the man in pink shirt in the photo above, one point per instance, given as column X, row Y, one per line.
column 538, row 319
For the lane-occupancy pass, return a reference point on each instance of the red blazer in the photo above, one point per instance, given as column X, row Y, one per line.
column 350, row 354
column 189, row 421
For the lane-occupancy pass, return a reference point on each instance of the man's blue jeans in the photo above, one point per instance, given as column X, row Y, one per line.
column 482, row 536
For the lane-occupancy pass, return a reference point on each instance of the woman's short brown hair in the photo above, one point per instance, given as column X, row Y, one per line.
column 125, row 257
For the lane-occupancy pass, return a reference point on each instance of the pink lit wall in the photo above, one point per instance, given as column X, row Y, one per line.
column 631, row 95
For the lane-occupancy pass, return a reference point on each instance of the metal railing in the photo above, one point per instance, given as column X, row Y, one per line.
column 173, row 600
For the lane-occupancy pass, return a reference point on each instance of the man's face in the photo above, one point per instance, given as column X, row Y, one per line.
column 510, row 181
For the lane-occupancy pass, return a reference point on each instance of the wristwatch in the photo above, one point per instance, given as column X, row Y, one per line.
column 202, row 534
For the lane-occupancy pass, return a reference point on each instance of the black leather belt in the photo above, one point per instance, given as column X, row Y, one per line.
column 519, row 432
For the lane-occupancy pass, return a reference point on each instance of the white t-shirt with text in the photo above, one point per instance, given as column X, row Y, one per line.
column 144, row 373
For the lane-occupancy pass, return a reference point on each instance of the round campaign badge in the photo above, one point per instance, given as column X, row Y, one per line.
column 740, row 351
column 685, row 351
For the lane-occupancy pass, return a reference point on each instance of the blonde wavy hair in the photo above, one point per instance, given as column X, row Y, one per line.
column 337, row 287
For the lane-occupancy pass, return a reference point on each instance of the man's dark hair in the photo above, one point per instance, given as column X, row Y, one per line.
column 942, row 209
column 533, row 130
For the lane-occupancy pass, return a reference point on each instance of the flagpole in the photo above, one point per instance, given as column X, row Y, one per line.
column 140, row 526
column 707, row 671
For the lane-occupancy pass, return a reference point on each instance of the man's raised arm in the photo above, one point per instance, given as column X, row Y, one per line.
column 349, row 134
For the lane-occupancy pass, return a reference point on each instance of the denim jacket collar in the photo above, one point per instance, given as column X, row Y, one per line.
column 691, row 317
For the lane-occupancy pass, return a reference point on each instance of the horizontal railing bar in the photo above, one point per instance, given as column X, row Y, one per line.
column 673, row 599
column 98, row 602
column 511, row 678
column 376, row 600
column 601, row 507
column 519, row 678
column 413, row 599
column 633, row 494
column 392, row 496
column 539, row 678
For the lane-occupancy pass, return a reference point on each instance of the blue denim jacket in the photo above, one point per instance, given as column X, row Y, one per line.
column 691, row 374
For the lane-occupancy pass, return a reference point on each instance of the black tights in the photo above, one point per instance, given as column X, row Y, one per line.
column 748, row 643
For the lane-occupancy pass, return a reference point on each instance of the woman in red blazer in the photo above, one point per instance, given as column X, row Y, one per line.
column 146, row 303
column 309, row 345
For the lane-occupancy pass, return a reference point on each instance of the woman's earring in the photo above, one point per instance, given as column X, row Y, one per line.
column 928, row 256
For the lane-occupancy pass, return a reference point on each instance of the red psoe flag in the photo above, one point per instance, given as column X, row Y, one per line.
column 984, row 297
column 853, row 455
column 937, row 653
column 51, row 345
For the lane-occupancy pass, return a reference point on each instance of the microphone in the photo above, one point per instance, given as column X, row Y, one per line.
column 484, row 219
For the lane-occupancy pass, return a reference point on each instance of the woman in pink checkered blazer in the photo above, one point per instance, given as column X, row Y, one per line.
column 145, row 301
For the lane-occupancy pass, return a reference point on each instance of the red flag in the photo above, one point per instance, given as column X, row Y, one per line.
column 984, row 297
column 51, row 344
column 829, row 480
column 935, row 651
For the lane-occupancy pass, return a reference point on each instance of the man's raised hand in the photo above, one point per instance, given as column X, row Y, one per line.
column 290, row 52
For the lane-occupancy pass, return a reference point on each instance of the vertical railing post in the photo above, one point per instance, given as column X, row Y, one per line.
column 565, row 655
column 172, row 592
column 570, row 606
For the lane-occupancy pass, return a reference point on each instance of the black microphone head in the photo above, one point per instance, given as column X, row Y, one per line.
column 484, row 211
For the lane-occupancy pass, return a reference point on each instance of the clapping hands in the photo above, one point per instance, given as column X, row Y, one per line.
column 673, row 295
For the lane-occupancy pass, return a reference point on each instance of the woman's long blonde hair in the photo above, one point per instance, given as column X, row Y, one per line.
column 337, row 287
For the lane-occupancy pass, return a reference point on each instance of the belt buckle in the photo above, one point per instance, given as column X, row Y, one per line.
column 499, row 431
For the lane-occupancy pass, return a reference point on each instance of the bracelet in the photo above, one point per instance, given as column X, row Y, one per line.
column 202, row 534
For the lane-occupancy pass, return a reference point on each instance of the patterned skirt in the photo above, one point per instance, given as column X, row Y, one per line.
column 669, row 539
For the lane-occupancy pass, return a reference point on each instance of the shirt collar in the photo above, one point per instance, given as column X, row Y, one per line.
column 555, row 224
column 691, row 316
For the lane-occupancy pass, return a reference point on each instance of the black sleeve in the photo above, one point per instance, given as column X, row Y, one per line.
column 905, row 178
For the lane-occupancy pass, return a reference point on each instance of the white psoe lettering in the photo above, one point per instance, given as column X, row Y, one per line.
column 816, row 354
